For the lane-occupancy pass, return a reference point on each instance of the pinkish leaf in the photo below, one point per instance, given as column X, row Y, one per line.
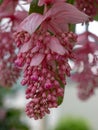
column 31, row 23
column 26, row 46
column 37, row 59
column 55, row 46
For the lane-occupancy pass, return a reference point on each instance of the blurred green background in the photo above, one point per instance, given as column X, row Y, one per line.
column 10, row 118
column 72, row 123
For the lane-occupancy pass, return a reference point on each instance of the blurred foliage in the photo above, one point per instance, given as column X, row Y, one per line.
column 4, row 91
column 10, row 118
column 72, row 27
column 35, row 8
column 1, row 2
column 70, row 1
column 96, row 18
column 71, row 123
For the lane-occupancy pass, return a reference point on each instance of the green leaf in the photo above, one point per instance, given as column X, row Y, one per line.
column 72, row 27
column 71, row 123
column 70, row 1
column 1, row 2
column 60, row 100
column 96, row 18
column 35, row 8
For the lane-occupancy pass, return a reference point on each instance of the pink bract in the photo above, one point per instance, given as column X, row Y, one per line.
column 60, row 14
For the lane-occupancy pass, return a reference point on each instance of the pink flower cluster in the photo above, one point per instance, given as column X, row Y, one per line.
column 9, row 73
column 89, row 6
column 45, row 46
column 86, row 63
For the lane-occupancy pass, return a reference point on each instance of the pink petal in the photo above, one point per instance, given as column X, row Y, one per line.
column 31, row 23
column 37, row 59
column 61, row 11
column 35, row 49
column 41, row 2
column 29, row 1
column 20, row 16
column 54, row 27
column 55, row 46
column 27, row 46
column 93, row 36
column 82, row 38
column 63, row 27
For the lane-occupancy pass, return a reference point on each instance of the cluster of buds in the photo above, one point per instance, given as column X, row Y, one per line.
column 44, row 71
column 89, row 7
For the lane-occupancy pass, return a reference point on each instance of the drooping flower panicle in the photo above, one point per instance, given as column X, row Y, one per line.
column 86, row 65
column 9, row 73
column 46, row 45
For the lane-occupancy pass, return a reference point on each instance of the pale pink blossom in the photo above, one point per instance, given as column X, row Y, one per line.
column 86, row 73
column 9, row 73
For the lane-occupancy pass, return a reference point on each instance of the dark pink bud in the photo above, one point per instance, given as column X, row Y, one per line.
column 34, row 77
column 23, row 82
column 48, row 85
